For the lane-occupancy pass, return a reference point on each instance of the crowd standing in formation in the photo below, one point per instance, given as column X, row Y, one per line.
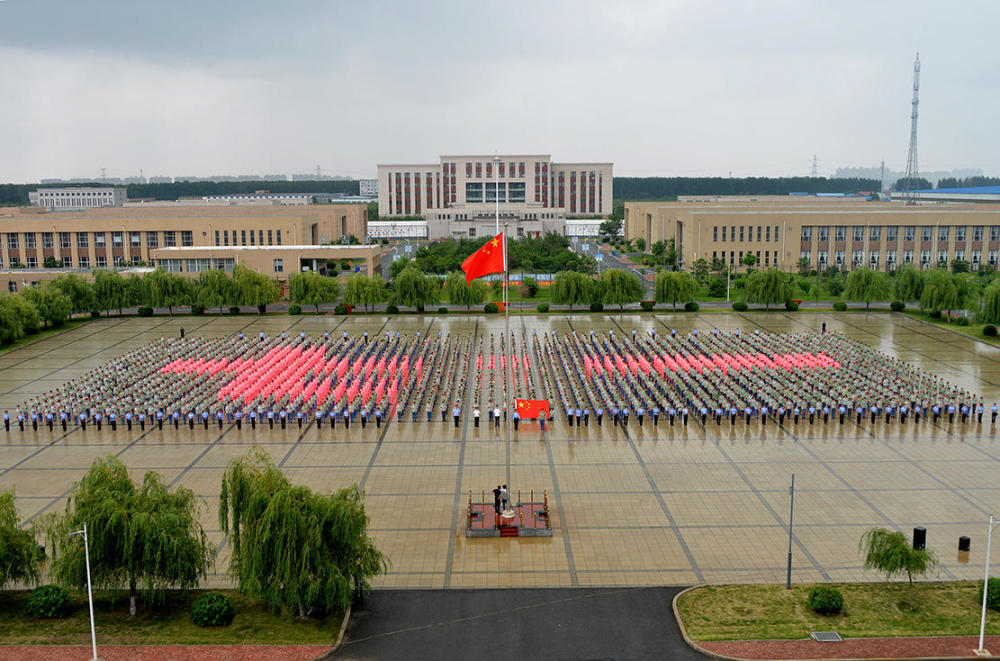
column 708, row 377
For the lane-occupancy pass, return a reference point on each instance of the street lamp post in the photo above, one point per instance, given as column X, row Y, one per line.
column 90, row 594
column 986, row 584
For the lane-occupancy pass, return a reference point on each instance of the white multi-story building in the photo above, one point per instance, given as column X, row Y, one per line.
column 458, row 196
column 368, row 187
column 69, row 199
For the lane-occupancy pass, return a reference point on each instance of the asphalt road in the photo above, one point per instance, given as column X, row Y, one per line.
column 606, row 624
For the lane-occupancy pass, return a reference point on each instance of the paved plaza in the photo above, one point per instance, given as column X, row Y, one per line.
column 630, row 506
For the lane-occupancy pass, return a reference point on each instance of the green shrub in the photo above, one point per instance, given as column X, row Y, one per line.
column 442, row 310
column 934, row 314
column 826, row 600
column 145, row 311
column 791, row 306
column 597, row 307
column 963, row 321
column 740, row 306
column 340, row 309
column 294, row 309
column 647, row 306
column 491, row 308
column 897, row 306
column 542, row 307
column 212, row 610
column 992, row 594
column 691, row 306
column 989, row 330
column 391, row 309
column 717, row 287
column 839, row 306
column 48, row 601
column 197, row 309
column 96, row 314
column 234, row 310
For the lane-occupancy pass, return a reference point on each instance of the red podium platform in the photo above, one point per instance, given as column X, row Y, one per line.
column 529, row 519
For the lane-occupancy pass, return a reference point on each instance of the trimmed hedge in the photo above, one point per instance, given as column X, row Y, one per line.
column 340, row 309
column 989, row 330
column 48, row 601
column 791, row 306
column 963, row 321
column 839, row 306
column 740, row 306
column 442, row 310
column 691, row 306
column 294, row 309
column 197, row 309
column 542, row 307
column 647, row 306
column 391, row 309
column 212, row 610
column 826, row 600
column 145, row 311
column 96, row 314
column 992, row 594
column 597, row 307
column 234, row 310
column 897, row 306
column 934, row 314
column 491, row 308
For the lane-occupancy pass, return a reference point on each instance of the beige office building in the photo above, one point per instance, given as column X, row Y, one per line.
column 457, row 197
column 275, row 240
column 848, row 235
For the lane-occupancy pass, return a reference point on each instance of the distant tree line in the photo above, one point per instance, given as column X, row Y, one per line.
column 17, row 194
column 546, row 254
column 968, row 182
column 660, row 188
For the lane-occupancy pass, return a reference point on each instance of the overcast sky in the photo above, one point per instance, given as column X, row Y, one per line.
column 660, row 87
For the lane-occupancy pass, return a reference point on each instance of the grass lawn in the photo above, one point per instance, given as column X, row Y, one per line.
column 757, row 612
column 974, row 330
column 164, row 624
column 44, row 333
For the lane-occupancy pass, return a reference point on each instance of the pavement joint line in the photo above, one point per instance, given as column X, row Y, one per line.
column 62, row 346
column 574, row 579
column 924, row 355
column 47, row 374
column 665, row 508
column 202, row 455
column 37, row 452
column 295, row 445
column 450, row 557
column 926, row 472
column 857, row 494
column 82, row 469
column 777, row 517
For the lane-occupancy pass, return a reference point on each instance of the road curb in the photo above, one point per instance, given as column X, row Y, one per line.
column 340, row 637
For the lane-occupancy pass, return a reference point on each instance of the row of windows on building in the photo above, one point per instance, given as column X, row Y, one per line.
column 586, row 191
column 746, row 233
column 506, row 170
column 944, row 233
column 891, row 256
column 99, row 239
column 100, row 262
column 223, row 237
column 764, row 258
column 197, row 265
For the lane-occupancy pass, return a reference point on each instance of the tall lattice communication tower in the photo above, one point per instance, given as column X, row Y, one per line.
column 912, row 173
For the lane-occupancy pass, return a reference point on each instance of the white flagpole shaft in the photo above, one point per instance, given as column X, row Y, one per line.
column 986, row 585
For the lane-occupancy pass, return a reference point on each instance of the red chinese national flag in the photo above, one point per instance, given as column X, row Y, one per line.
column 531, row 408
column 486, row 260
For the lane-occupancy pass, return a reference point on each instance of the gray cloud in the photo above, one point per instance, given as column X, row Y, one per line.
column 658, row 87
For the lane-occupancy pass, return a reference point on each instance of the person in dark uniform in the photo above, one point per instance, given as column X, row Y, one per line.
column 6, row 420
column 496, row 504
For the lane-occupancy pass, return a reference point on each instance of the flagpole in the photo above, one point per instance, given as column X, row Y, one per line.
column 506, row 318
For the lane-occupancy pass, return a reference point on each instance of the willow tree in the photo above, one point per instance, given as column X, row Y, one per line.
column 18, row 551
column 293, row 548
column 866, row 285
column 414, row 289
column 991, row 303
column 767, row 287
column 892, row 554
column 675, row 287
column 215, row 289
column 253, row 288
column 364, row 290
column 909, row 284
column 311, row 288
column 572, row 288
column 465, row 293
column 144, row 538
